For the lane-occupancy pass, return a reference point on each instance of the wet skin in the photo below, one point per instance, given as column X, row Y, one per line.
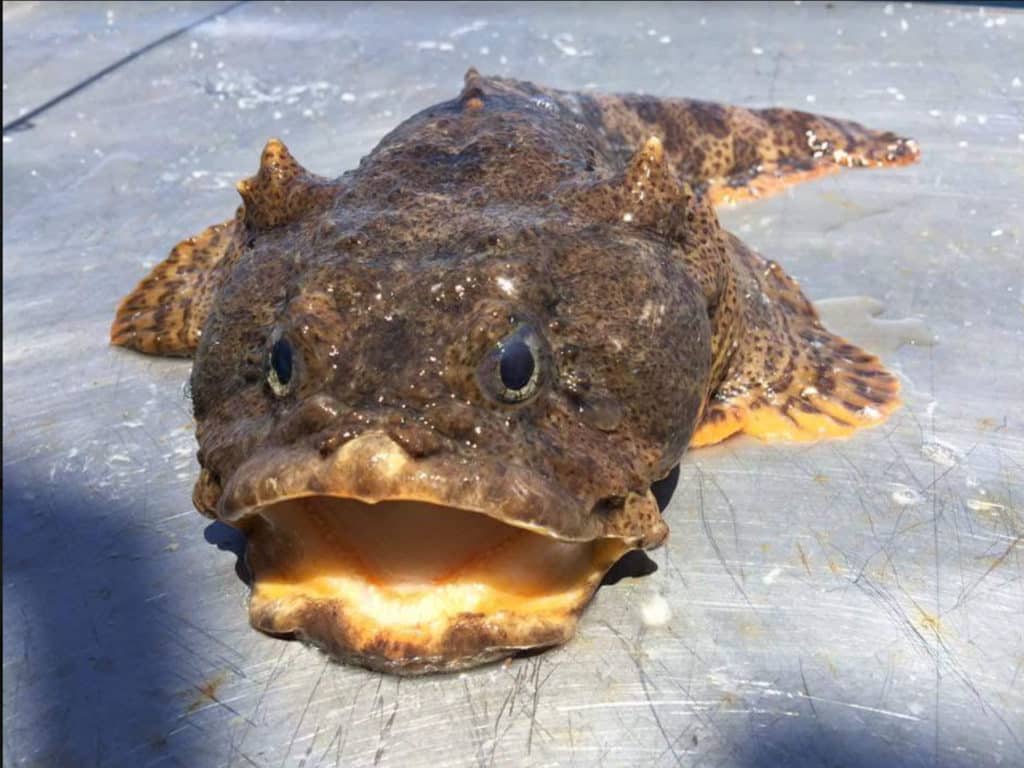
column 435, row 391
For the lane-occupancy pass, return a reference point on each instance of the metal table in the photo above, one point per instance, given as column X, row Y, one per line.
column 846, row 603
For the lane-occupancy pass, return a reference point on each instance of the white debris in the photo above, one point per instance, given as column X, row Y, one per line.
column 564, row 43
column 979, row 505
column 474, row 26
column 907, row 497
column 941, row 453
column 655, row 611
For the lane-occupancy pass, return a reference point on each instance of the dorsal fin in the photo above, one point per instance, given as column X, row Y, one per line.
column 282, row 190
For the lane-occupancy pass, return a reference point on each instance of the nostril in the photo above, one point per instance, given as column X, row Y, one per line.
column 416, row 440
column 312, row 415
column 322, row 406
column 327, row 445
column 453, row 420
column 609, row 505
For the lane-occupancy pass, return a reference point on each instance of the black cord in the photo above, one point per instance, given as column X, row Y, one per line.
column 25, row 121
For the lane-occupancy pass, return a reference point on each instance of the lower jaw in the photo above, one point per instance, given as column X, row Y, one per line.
column 411, row 587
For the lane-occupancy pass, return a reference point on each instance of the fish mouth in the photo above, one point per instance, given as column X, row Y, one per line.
column 416, row 587
column 413, row 566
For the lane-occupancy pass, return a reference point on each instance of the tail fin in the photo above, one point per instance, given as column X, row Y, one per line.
column 739, row 154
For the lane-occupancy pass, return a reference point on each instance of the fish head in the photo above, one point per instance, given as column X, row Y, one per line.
column 437, row 448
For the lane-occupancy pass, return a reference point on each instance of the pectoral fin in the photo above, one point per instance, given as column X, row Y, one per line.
column 165, row 312
column 788, row 377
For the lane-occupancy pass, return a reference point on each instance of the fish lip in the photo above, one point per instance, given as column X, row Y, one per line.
column 374, row 468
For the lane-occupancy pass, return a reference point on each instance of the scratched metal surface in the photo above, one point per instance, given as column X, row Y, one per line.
column 850, row 603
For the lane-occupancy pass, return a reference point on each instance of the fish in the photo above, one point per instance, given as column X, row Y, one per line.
column 434, row 392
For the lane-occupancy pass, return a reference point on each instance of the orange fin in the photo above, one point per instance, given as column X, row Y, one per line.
column 789, row 378
column 165, row 313
column 864, row 395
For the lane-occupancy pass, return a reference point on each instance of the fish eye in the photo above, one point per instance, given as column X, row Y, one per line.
column 511, row 372
column 280, row 373
column 517, row 365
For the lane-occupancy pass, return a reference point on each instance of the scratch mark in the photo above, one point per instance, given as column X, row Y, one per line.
column 309, row 749
column 274, row 673
column 305, row 709
column 385, row 731
column 633, row 654
column 537, row 685
column 938, row 569
column 507, row 705
column 207, row 691
column 803, row 558
column 995, row 564
column 861, row 707
column 474, row 732
column 335, row 740
column 714, row 542
column 732, row 513
column 807, row 691
column 209, row 636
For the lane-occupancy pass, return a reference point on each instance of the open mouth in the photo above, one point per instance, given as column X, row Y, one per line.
column 420, row 565
column 413, row 586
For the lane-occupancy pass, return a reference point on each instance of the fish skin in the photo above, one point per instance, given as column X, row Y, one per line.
column 586, row 221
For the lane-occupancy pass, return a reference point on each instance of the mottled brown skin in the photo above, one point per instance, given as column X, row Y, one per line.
column 586, row 218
